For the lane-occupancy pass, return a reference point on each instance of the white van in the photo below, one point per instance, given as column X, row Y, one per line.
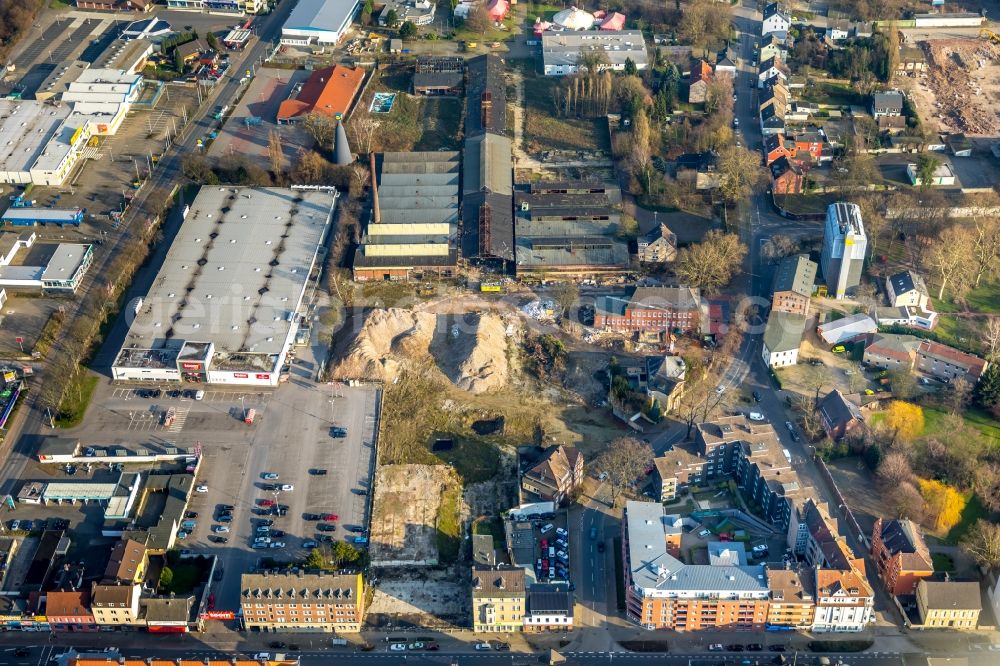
column 547, row 528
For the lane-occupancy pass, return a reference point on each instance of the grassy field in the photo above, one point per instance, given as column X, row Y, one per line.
column 543, row 131
column 837, row 94
column 936, row 426
column 449, row 541
column 76, row 400
column 973, row 511
column 984, row 299
column 441, row 119
column 803, row 204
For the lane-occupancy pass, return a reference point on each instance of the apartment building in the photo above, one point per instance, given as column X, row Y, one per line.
column 948, row 604
column 499, row 599
column 550, row 608
column 908, row 352
column 901, row 556
column 792, row 603
column 127, row 563
column 845, row 601
column 306, row 602
column 664, row 593
column 115, row 605
column 555, row 476
column 69, row 610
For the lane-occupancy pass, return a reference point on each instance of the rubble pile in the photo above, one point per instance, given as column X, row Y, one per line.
column 957, row 71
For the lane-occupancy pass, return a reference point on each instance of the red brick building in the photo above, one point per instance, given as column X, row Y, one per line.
column 901, row 555
column 656, row 310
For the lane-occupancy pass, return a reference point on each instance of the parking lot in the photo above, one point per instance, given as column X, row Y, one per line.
column 291, row 438
column 542, row 546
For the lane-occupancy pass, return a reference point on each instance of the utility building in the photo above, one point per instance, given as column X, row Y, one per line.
column 844, row 247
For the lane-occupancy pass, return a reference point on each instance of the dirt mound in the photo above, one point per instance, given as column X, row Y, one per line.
column 962, row 75
column 470, row 350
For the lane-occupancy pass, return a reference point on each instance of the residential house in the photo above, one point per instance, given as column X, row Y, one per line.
column 69, row 611
column 776, row 94
column 947, row 363
column 911, row 59
column 943, row 175
column 484, row 550
column 127, row 563
column 773, row 46
column 652, row 311
column 775, row 148
column 115, row 605
column 900, row 554
column 772, row 120
column 845, row 601
column 177, row 615
column 782, row 337
column 845, row 329
column 325, row 602
column 906, row 288
column 787, row 177
column 948, row 604
column 891, row 124
column 771, row 68
column 792, row 604
column 793, row 286
column 726, row 62
column 887, row 104
column 701, row 74
column 661, row 592
column 840, row 417
column 191, row 51
column 905, row 316
column 499, row 599
column 776, row 20
column 550, row 608
column 959, row 145
column 808, row 145
column 665, row 380
column 556, row 475
column 892, row 352
column 659, row 246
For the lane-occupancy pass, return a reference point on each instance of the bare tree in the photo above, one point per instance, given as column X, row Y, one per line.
column 949, row 258
column 986, row 242
column 865, row 295
column 991, row 338
column 478, row 20
column 779, row 246
column 566, row 295
column 907, row 502
column 959, row 395
column 362, row 130
column 624, row 461
column 275, row 153
column 982, row 542
column 321, row 128
column 894, row 469
column 710, row 265
column 739, row 172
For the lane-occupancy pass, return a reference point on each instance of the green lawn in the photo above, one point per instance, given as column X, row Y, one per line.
column 942, row 562
column 984, row 299
column 973, row 511
column 76, row 400
column 806, row 203
column 441, row 119
column 934, row 424
column 449, row 540
column 837, row 94
column 960, row 332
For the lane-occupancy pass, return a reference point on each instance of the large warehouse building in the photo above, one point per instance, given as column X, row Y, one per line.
column 224, row 308
column 318, row 22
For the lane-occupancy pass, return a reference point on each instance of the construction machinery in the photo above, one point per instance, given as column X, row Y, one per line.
column 990, row 35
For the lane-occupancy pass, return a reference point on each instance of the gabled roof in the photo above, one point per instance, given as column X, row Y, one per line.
column 773, row 142
column 126, row 558
column 849, row 582
column 486, row 96
column 783, row 331
column 771, row 116
column 888, row 100
column 774, row 9
column 701, row 71
column 903, row 537
column 557, row 463
column 796, row 273
column 498, row 582
column 950, row 595
column 893, row 345
column 67, row 604
column 838, row 410
column 327, row 91
column 973, row 364
column 905, row 282
column 551, row 599
column 782, row 166
column 109, row 595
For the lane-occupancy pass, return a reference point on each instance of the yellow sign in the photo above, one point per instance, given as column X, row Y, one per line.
column 41, row 618
column 9, row 376
column 491, row 288
column 76, row 135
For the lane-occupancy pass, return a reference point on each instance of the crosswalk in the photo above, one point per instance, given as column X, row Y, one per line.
column 179, row 419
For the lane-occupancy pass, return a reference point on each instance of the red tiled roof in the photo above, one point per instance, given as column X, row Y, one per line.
column 973, row 364
column 328, row 91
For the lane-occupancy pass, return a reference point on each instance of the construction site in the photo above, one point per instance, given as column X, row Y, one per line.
column 960, row 91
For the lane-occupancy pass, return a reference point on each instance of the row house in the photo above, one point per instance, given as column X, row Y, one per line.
column 300, row 601
column 908, row 352
column 845, row 602
column 499, row 599
column 116, row 605
column 901, row 555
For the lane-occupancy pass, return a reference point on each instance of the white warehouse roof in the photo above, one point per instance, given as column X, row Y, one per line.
column 321, row 15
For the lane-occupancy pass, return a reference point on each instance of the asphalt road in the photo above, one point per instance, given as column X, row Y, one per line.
column 41, row 656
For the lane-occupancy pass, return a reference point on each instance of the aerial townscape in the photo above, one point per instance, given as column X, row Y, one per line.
column 499, row 332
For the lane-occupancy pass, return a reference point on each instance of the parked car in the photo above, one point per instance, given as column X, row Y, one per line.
column 326, row 527
column 397, row 647
column 277, row 645
column 600, row 547
column 310, row 544
column 704, row 533
column 220, row 529
column 777, row 647
column 330, row 517
column 735, row 647
column 716, row 647
column 199, row 395
column 218, row 539
column 482, row 647
column 561, row 532
column 755, row 647
column 756, row 416
column 202, row 488
column 287, row 487
column 756, row 396
column 311, row 516
column 269, row 476
column 191, row 514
